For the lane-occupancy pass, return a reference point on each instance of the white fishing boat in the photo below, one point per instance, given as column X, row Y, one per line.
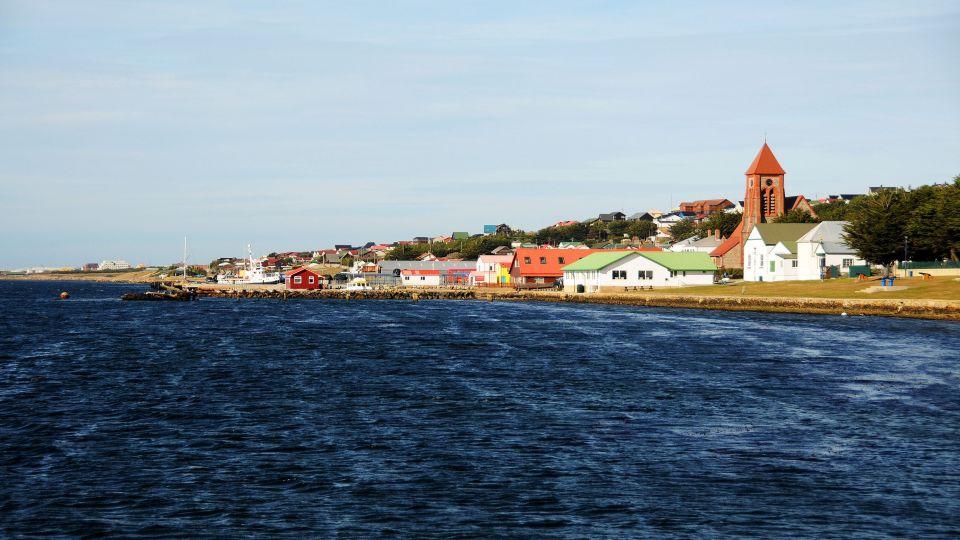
column 254, row 274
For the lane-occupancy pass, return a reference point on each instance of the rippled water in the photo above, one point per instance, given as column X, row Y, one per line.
column 319, row 418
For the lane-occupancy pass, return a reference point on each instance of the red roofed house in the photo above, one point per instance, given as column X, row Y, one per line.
column 411, row 277
column 764, row 201
column 703, row 208
column 302, row 278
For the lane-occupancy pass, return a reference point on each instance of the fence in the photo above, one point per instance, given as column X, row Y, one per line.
column 929, row 265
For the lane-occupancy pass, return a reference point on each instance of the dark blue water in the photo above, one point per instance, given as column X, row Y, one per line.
column 319, row 418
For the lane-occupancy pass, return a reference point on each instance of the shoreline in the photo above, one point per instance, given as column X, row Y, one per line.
column 907, row 308
column 929, row 309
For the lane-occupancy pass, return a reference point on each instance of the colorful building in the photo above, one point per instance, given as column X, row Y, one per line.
column 303, row 278
column 492, row 270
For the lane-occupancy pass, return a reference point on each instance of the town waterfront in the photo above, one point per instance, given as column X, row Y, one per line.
column 307, row 419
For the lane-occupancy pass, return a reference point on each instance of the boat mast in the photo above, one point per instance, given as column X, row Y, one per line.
column 184, row 259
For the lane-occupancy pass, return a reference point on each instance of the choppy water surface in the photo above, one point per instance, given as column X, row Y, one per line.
column 319, row 418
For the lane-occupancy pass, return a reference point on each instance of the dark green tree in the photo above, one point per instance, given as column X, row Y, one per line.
column 797, row 215
column 641, row 229
column 725, row 221
column 933, row 227
column 832, row 211
column 877, row 224
column 682, row 230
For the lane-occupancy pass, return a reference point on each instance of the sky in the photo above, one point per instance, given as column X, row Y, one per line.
column 127, row 125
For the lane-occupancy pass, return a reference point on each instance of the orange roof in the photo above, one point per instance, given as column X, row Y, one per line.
column 296, row 271
column 418, row 272
column 765, row 163
column 551, row 265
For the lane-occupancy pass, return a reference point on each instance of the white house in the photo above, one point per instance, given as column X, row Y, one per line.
column 770, row 252
column 115, row 265
column 616, row 270
column 824, row 246
column 419, row 278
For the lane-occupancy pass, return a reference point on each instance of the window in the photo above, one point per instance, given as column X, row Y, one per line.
column 749, row 260
column 406, row 278
column 560, row 260
column 543, row 260
column 773, row 266
column 645, row 274
column 761, row 262
column 311, row 279
column 297, row 279
column 619, row 274
column 423, row 278
column 793, row 264
column 526, row 260
column 847, row 263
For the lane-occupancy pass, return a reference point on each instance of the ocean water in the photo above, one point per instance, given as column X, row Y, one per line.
column 238, row 418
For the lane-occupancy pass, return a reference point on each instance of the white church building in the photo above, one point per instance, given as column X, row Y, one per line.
column 796, row 251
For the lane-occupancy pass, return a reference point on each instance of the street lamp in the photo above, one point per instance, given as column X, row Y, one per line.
column 906, row 247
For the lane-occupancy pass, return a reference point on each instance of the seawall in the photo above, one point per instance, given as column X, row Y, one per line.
column 920, row 309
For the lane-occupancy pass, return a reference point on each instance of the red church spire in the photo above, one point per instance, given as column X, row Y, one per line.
column 765, row 163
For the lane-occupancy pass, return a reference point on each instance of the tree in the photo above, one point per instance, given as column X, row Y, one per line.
column 933, row 227
column 797, row 215
column 876, row 226
column 835, row 210
column 641, row 229
column 726, row 222
column 682, row 230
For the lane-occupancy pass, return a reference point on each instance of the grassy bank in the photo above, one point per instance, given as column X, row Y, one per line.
column 938, row 288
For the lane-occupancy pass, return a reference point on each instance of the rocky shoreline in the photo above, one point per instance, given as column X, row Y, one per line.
column 919, row 309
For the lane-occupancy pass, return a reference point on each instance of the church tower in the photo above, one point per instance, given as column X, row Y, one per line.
column 764, row 199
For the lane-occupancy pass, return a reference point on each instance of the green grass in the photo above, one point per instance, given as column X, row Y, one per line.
column 938, row 288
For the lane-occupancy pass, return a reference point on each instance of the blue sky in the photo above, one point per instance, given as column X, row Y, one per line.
column 295, row 125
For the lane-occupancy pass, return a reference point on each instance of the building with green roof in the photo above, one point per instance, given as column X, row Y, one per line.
column 616, row 271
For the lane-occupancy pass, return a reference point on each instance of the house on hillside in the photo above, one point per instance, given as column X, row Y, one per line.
column 611, row 217
column 641, row 216
column 617, row 270
column 702, row 209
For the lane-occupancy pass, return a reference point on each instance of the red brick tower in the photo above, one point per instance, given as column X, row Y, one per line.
column 764, row 199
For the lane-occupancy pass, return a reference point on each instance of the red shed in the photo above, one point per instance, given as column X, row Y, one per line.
column 302, row 278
